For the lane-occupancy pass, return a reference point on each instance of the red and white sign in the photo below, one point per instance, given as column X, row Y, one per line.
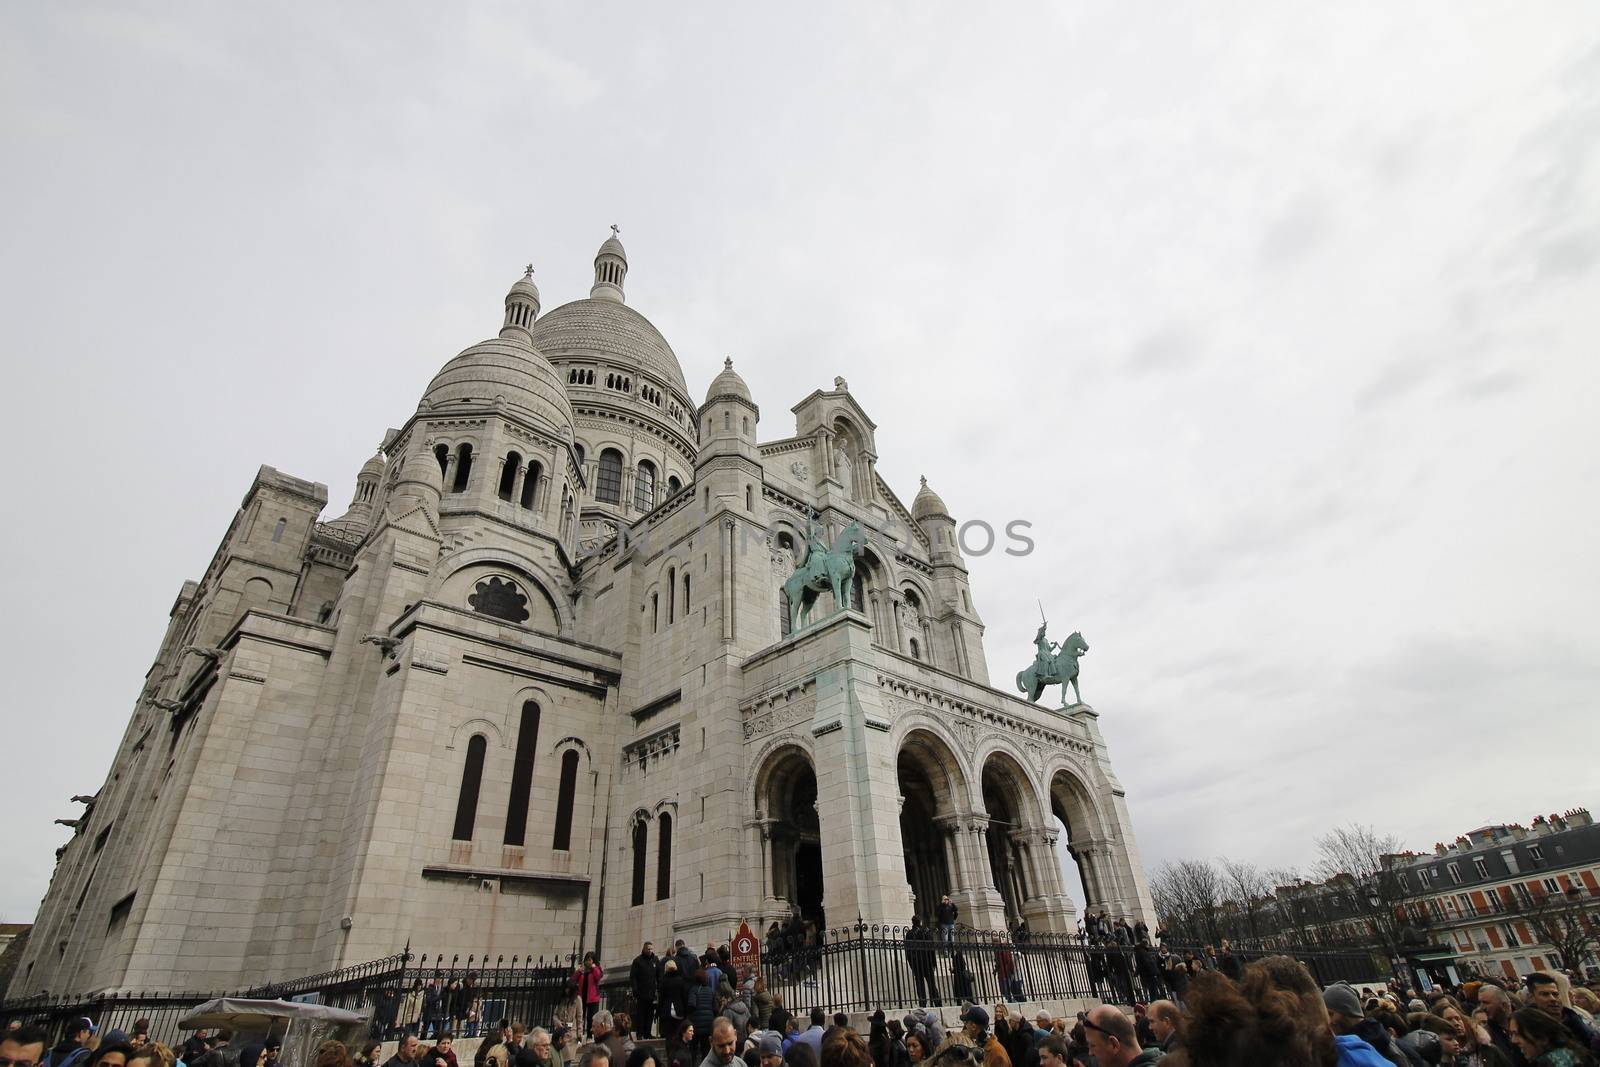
column 746, row 951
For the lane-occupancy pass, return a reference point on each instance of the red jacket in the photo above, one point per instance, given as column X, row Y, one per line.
column 589, row 983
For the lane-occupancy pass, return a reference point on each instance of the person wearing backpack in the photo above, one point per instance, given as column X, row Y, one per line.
column 74, row 1048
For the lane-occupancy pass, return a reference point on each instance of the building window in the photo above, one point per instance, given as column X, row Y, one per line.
column 1405, row 883
column 672, row 594
column 508, row 476
column 522, row 775
column 471, row 782
column 277, row 531
column 1422, row 878
column 686, row 596
column 569, row 787
column 655, row 612
column 641, row 841
column 664, row 857
column 1552, row 886
column 1454, row 872
column 463, row 468
column 1536, row 853
column 673, row 485
column 1480, row 865
column 500, row 599
column 608, row 480
column 530, row 485
column 784, row 608
column 440, row 453
column 916, row 652
column 644, row 487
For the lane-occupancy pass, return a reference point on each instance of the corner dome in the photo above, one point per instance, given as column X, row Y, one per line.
column 503, row 372
column 607, row 329
column 727, row 384
column 928, row 504
column 373, row 466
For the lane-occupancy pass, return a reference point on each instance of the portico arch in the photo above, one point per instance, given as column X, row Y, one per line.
column 933, row 802
column 1073, row 806
column 786, row 805
column 1008, row 800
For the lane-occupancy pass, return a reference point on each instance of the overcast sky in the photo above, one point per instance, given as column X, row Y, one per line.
column 1277, row 322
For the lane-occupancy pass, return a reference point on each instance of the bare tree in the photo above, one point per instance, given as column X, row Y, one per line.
column 1372, row 864
column 1568, row 921
column 1188, row 896
column 1249, row 891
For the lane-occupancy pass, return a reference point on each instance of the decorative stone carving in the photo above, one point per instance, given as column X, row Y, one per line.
column 500, row 598
column 800, row 470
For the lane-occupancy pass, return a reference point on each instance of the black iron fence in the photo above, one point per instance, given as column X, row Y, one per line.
column 864, row 967
column 858, row 968
column 392, row 991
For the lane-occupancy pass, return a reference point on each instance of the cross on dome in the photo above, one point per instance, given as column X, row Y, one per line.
column 527, row 272
column 615, row 232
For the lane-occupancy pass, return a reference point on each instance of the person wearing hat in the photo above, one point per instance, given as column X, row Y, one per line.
column 770, row 1050
column 1354, row 1034
column 975, row 1025
column 74, row 1047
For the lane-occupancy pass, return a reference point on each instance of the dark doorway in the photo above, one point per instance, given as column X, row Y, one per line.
column 927, row 871
column 808, row 881
column 1005, row 863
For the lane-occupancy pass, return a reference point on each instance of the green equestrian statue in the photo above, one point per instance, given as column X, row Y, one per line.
column 1053, row 665
column 823, row 568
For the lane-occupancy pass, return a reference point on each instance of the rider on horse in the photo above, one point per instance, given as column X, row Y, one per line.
column 1044, row 661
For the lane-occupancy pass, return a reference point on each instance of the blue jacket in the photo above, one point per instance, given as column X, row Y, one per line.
column 1354, row 1052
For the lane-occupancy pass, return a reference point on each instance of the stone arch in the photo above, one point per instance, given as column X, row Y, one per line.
column 934, row 801
column 1011, row 802
column 573, row 742
column 785, row 793
column 1083, row 825
column 486, row 727
column 534, row 574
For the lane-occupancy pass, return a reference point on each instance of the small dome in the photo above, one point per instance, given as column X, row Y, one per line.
column 928, row 505
column 421, row 468
column 503, row 372
column 524, row 286
column 612, row 247
column 607, row 330
column 727, row 384
column 373, row 468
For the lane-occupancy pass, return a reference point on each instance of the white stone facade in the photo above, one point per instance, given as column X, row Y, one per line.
column 293, row 791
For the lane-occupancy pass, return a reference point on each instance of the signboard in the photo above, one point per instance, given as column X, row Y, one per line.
column 746, row 951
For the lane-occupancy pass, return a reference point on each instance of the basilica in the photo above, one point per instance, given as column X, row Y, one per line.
column 541, row 686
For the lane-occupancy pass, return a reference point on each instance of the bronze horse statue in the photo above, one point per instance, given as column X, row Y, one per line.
column 1053, row 666
column 824, row 569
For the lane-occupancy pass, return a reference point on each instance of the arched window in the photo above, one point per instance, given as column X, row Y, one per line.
column 277, row 530
column 858, row 590
column 664, row 857
column 463, row 468
column 522, row 775
column 686, row 596
column 641, row 842
column 471, row 781
column 746, row 424
column 916, row 652
column 672, row 594
column 569, row 789
column 673, row 485
column 440, row 453
column 530, row 485
column 644, row 486
column 784, row 608
column 749, row 498
column 508, row 476
column 727, row 420
column 499, row 598
column 578, row 449
column 655, row 612
column 608, row 481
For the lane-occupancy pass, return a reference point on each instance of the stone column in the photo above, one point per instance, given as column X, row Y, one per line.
column 450, row 470
column 898, row 641
column 1050, row 908
column 989, row 907
column 516, row 487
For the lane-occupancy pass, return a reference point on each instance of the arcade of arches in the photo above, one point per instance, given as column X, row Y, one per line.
column 993, row 850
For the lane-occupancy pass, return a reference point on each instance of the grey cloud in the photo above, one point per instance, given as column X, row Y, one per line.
column 1173, row 347
column 1296, row 232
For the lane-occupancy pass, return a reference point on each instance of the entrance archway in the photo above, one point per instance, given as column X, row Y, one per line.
column 932, row 795
column 787, row 789
column 1006, row 799
column 1071, row 806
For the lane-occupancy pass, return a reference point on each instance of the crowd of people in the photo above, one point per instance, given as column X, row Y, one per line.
column 1269, row 1012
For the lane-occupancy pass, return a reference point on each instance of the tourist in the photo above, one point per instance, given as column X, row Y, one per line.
column 589, row 976
column 847, row 1050
column 680, row 1046
column 410, row 1016
column 370, row 1053
column 644, row 981
column 960, row 978
column 538, row 1049
column 769, row 1051
column 1545, row 1041
column 945, row 915
column 409, row 1053
column 812, row 1035
column 762, row 1004
column 1052, row 1051
column 1112, row 1041
column 112, row 1055
column 1548, row 991
column 1166, row 1025
column 724, row 1043
column 1477, row 1048
column 701, row 1009
column 800, row 1054
column 1497, row 1006
column 916, row 1043
column 155, row 1054
column 975, row 1029
column 643, row 1056
column 1352, row 1029
column 74, row 1045
column 672, row 998
column 332, row 1054
column 442, row 1054
column 569, row 1008
column 464, row 1006
column 602, row 1031
column 433, row 1008
column 920, row 957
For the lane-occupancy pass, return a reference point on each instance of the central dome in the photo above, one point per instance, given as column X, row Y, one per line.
column 607, row 329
